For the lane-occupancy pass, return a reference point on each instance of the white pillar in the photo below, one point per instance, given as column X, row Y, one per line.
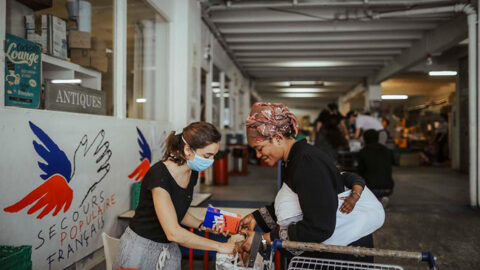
column 472, row 108
column 119, row 58
column 373, row 96
column 181, row 71
column 148, row 68
column 134, row 107
column 161, row 71
column 3, row 15
column 231, row 105
column 209, row 93
column 222, row 100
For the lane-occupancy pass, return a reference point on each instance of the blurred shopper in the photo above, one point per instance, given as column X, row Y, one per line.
column 329, row 136
column 367, row 122
column 375, row 166
column 158, row 226
column 309, row 174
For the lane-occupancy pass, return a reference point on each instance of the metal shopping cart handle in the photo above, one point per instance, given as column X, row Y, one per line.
column 359, row 251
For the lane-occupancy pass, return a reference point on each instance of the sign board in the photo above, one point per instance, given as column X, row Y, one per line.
column 74, row 98
column 22, row 72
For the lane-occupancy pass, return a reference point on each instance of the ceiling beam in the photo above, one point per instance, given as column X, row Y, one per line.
column 309, row 58
column 321, row 46
column 290, row 77
column 285, row 53
column 443, row 37
column 319, row 64
column 345, row 36
column 296, row 15
column 324, row 27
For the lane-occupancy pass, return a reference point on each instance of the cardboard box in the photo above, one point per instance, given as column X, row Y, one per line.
column 57, row 37
column 218, row 217
column 79, row 40
column 80, row 57
column 99, row 47
column 99, row 63
column 37, row 30
column 49, row 32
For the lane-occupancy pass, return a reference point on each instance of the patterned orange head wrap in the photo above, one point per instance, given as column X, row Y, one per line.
column 269, row 119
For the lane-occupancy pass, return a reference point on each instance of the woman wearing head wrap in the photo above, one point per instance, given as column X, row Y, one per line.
column 307, row 172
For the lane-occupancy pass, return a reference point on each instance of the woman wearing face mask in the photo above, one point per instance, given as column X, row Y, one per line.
column 151, row 241
column 319, row 192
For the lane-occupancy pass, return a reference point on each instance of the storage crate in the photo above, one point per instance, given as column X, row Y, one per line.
column 15, row 257
column 135, row 194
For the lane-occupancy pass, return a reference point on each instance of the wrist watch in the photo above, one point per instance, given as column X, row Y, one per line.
column 264, row 243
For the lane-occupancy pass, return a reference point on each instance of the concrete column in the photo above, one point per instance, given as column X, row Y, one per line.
column 148, row 68
column 222, row 100
column 3, row 8
column 373, row 98
column 161, row 71
column 134, row 108
column 120, row 59
column 179, row 51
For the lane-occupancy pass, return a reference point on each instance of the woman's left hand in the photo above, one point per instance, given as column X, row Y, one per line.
column 348, row 203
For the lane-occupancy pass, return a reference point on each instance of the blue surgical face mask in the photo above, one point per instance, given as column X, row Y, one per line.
column 199, row 163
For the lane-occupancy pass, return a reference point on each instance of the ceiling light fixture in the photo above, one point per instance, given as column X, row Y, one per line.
column 67, row 81
column 442, row 73
column 141, row 100
column 302, row 90
column 394, row 97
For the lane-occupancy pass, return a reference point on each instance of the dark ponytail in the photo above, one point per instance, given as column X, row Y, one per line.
column 197, row 135
column 174, row 148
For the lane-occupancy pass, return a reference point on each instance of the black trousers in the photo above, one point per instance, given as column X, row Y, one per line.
column 366, row 241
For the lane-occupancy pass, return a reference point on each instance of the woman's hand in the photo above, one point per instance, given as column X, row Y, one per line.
column 227, row 248
column 248, row 223
column 349, row 203
column 219, row 230
column 246, row 245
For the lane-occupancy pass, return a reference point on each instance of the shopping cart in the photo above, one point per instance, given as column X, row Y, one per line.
column 298, row 263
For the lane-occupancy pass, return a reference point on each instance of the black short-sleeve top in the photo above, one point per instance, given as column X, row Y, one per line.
column 145, row 221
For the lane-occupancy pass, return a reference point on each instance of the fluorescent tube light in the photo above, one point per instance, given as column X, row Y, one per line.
column 442, row 73
column 394, row 96
column 67, row 81
column 141, row 100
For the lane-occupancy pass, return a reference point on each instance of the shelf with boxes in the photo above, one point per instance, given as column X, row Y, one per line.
column 57, row 69
column 87, row 54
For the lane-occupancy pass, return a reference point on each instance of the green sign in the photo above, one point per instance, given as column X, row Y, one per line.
column 23, row 65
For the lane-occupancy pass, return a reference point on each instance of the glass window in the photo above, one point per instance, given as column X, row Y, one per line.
column 147, row 95
column 75, row 39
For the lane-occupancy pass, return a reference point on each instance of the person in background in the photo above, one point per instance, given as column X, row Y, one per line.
column 151, row 241
column 375, row 166
column 367, row 122
column 329, row 137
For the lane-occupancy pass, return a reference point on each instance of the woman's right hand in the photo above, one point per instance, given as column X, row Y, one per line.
column 227, row 248
column 248, row 223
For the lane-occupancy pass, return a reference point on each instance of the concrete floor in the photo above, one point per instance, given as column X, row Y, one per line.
column 428, row 212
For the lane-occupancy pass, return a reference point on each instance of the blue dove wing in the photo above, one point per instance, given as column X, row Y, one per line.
column 145, row 149
column 56, row 160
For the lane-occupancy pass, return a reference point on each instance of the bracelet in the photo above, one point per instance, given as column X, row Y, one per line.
column 200, row 225
column 264, row 243
column 356, row 192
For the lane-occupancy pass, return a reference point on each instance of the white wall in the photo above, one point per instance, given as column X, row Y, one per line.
column 87, row 141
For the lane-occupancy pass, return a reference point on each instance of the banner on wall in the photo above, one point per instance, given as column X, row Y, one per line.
column 22, row 72
column 68, row 181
